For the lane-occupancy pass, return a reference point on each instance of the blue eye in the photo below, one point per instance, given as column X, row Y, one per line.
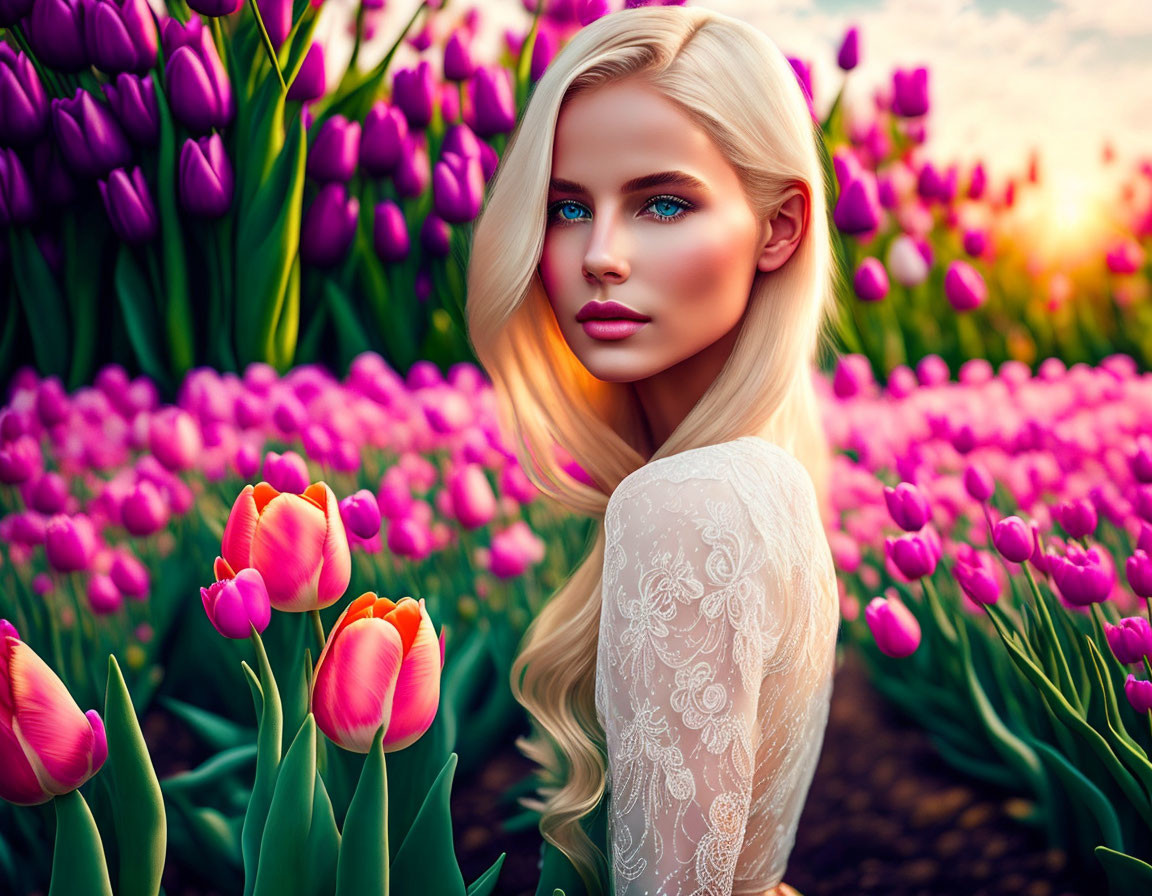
column 668, row 208
column 567, row 210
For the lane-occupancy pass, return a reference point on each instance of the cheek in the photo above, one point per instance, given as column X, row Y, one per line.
column 554, row 264
column 711, row 261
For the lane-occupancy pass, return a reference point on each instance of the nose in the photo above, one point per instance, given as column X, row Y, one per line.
column 606, row 256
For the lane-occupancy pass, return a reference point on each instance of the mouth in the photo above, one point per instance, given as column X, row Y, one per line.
column 608, row 311
column 612, row 329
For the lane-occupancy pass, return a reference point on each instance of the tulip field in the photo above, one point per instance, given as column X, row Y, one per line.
column 246, row 454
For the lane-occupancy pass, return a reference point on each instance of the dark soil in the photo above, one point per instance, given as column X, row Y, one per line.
column 885, row 815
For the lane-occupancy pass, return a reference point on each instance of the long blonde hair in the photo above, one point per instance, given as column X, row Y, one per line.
column 737, row 86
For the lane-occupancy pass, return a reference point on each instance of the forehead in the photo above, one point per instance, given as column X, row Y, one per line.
column 628, row 128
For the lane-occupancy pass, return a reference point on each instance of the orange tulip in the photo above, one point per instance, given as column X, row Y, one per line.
column 296, row 542
column 380, row 668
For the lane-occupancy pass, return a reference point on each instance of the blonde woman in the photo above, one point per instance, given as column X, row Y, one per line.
column 649, row 283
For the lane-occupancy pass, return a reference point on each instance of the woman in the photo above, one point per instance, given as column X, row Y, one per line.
column 666, row 174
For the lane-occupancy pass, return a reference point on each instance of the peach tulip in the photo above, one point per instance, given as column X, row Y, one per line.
column 48, row 747
column 380, row 668
column 296, row 542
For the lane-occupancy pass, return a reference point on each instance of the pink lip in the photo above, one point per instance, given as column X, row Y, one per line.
column 612, row 330
column 608, row 311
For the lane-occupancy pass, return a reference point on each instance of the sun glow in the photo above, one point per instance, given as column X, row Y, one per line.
column 1066, row 219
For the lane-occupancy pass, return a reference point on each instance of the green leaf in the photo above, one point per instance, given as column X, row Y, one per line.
column 323, row 845
column 211, row 770
column 135, row 299
column 266, row 697
column 1130, row 751
column 426, row 860
column 78, row 866
column 486, row 882
column 214, row 731
column 1084, row 795
column 43, row 304
column 138, row 807
column 282, row 869
column 1126, row 874
column 349, row 330
column 363, row 862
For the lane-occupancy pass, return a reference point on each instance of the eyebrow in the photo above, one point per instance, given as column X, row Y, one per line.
column 660, row 179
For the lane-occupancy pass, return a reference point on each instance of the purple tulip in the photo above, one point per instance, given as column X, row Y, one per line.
column 493, row 106
column 1140, row 459
column 514, row 550
column 120, row 35
column 858, row 208
column 849, row 56
column 20, row 459
column 1012, row 539
column 130, row 575
column 871, row 280
column 382, row 139
column 803, row 72
column 333, row 153
column 48, row 494
column 277, row 16
column 309, row 83
column 978, row 482
column 907, row 506
column 894, row 628
column 104, row 597
column 1138, row 570
column 591, row 10
column 12, row 11
column 286, row 472
column 543, row 52
column 1131, row 640
column 216, row 8
column 978, row 583
column 435, row 236
column 206, row 178
column 174, row 439
column 473, row 501
column 55, row 30
column 17, row 198
column 913, row 554
column 1083, row 577
column 413, row 92
column 964, row 287
column 329, row 226
column 390, row 232
column 1077, row 517
column 458, row 62
column 910, row 92
column 975, row 242
column 69, row 542
column 457, row 188
column 90, row 138
column 236, row 605
column 978, row 182
column 412, row 173
column 143, row 511
column 361, row 514
column 853, row 374
column 133, row 99
column 23, row 103
column 409, row 537
column 27, row 528
column 199, row 91
column 1139, row 693
column 129, row 205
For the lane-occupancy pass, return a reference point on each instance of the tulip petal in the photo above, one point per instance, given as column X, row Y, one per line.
column 355, row 683
column 223, row 570
column 406, row 617
column 18, row 782
column 100, row 740
column 417, row 695
column 56, row 736
column 336, row 572
column 287, row 549
column 236, row 546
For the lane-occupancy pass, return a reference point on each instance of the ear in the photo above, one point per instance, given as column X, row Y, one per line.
column 784, row 231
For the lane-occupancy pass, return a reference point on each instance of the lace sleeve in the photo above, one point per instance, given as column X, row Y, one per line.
column 703, row 757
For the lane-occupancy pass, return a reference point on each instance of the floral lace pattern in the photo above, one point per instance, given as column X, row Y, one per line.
column 714, row 667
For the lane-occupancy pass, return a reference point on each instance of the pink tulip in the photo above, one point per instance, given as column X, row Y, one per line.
column 296, row 542
column 514, row 550
column 914, row 554
column 964, row 287
column 174, row 438
column 1139, row 693
column 908, row 507
column 892, row 624
column 48, row 747
column 143, row 510
column 361, row 514
column 236, row 602
column 978, row 482
column 69, row 542
column 472, row 497
column 130, row 575
column 380, row 668
column 1013, row 539
column 1131, row 640
column 1138, row 570
column 286, row 472
column 1082, row 577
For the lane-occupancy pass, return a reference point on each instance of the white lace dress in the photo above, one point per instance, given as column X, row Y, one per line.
column 714, row 667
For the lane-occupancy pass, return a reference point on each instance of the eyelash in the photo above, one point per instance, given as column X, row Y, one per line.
column 684, row 205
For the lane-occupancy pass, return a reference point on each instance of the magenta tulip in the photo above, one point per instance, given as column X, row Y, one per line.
column 913, row 554
column 1077, row 517
column 1082, row 577
column 1138, row 570
column 907, row 506
column 296, row 542
column 380, row 669
column 871, row 280
column 237, row 602
column 472, row 498
column 174, row 438
column 978, row 482
column 361, row 514
column 1012, row 539
column 964, row 287
column 849, row 55
column 69, row 542
column 1139, row 693
column 978, row 583
column 894, row 628
column 130, row 575
column 48, row 747
column 1131, row 640
column 143, row 511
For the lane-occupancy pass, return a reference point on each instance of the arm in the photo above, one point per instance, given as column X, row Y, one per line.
column 679, row 673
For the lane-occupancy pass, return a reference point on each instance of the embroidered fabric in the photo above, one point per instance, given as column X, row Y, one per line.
column 714, row 667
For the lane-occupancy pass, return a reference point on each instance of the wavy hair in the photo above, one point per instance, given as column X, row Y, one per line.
column 737, row 86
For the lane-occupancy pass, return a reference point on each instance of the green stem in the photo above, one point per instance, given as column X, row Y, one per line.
column 268, row 48
column 318, row 626
column 1042, row 606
